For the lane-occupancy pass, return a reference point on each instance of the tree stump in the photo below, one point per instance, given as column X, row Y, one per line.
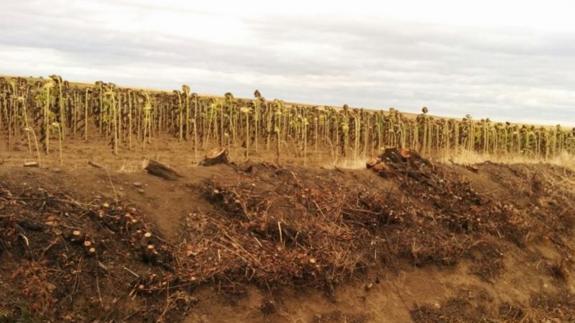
column 216, row 156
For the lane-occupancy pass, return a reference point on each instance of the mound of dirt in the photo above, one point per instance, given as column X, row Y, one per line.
column 278, row 228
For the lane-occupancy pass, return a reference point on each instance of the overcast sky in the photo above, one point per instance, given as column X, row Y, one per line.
column 508, row 60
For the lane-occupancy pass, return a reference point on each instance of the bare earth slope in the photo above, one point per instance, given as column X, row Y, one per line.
column 405, row 241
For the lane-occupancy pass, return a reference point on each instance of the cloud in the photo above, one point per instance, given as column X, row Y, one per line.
column 516, row 73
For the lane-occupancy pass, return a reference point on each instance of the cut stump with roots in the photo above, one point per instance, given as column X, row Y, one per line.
column 216, row 156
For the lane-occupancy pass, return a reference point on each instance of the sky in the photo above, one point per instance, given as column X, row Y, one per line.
column 506, row 60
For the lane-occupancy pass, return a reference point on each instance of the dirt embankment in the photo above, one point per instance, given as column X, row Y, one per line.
column 406, row 240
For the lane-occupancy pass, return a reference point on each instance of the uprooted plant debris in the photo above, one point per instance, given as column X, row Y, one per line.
column 281, row 225
column 69, row 261
column 272, row 227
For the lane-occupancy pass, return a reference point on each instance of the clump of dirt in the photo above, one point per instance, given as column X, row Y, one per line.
column 557, row 306
column 340, row 317
column 472, row 304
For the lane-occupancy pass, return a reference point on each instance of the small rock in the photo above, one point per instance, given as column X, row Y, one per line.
column 141, row 191
column 137, row 184
column 268, row 307
column 368, row 286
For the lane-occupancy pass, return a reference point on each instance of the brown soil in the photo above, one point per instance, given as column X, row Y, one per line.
column 408, row 240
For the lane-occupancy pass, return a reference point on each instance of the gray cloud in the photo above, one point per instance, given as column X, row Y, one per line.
column 503, row 73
